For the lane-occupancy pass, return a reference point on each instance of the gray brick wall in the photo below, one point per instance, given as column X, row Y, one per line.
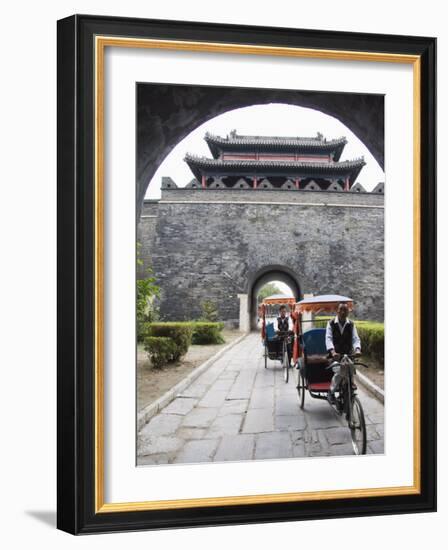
column 333, row 242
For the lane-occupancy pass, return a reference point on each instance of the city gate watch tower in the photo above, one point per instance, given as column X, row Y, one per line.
column 269, row 162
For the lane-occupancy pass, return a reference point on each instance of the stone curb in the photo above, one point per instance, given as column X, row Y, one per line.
column 372, row 388
column 151, row 410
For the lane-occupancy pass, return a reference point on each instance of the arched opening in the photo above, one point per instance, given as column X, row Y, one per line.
column 288, row 284
column 167, row 114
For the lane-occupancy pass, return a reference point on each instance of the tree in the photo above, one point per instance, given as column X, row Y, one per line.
column 267, row 290
column 209, row 311
column 147, row 290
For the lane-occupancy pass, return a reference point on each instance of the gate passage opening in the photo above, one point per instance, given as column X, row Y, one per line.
column 278, row 283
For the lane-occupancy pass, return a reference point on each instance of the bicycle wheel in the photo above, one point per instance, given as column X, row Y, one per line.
column 285, row 365
column 357, row 425
column 301, row 389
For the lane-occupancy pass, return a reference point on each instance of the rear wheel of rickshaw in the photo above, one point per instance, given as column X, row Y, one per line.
column 357, row 425
column 300, row 383
column 301, row 389
column 265, row 356
column 285, row 365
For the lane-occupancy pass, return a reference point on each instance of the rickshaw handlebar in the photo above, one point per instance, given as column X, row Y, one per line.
column 284, row 333
column 352, row 356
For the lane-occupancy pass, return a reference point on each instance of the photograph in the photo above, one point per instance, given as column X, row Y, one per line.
column 260, row 285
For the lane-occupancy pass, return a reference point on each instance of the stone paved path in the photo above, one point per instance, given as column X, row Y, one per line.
column 238, row 410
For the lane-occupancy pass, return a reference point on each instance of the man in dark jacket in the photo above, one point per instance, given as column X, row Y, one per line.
column 284, row 325
column 341, row 338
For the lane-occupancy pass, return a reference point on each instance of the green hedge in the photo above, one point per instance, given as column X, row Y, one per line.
column 370, row 332
column 207, row 332
column 168, row 342
column 180, row 334
column 161, row 350
column 372, row 339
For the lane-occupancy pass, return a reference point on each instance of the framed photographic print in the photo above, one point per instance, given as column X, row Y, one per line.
column 246, row 274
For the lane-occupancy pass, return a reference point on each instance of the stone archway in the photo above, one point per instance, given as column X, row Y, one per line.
column 264, row 276
column 168, row 113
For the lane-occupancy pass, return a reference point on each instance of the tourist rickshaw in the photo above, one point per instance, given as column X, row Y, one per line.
column 276, row 343
column 314, row 369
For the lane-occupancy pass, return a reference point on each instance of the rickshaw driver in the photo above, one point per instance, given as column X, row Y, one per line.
column 284, row 324
column 341, row 337
column 283, row 320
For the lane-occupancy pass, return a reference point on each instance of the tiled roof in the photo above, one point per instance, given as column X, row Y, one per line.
column 250, row 165
column 198, row 165
column 234, row 141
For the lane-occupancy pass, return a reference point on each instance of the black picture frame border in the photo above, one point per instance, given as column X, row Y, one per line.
column 75, row 272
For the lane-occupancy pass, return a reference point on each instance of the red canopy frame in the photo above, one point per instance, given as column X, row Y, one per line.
column 280, row 301
column 316, row 304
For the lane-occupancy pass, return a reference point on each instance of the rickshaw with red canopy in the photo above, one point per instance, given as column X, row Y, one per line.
column 276, row 344
column 314, row 369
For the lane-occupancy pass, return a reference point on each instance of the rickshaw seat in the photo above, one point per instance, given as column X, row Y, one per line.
column 314, row 342
column 319, row 386
column 316, row 360
column 270, row 331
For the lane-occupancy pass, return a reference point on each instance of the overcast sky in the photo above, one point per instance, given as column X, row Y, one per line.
column 265, row 120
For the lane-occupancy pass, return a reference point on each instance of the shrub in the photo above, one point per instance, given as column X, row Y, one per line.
column 207, row 333
column 372, row 339
column 147, row 291
column 209, row 311
column 179, row 333
column 161, row 350
column 370, row 332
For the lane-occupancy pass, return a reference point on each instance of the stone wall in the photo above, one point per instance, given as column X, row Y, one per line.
column 214, row 244
column 146, row 231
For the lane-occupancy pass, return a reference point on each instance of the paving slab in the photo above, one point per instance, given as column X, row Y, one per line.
column 225, row 425
column 298, row 445
column 336, row 436
column 235, row 447
column 290, row 422
column 180, row 405
column 199, row 450
column 287, row 406
column 152, row 460
column 213, row 398
column 162, row 424
column 194, row 390
column 262, row 398
column 258, row 420
column 273, row 445
column 222, row 384
column 191, row 433
column 200, row 417
column 376, row 447
column 345, row 449
column 234, row 406
column 160, row 444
